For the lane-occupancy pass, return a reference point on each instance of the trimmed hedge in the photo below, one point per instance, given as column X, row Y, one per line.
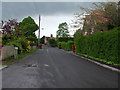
column 65, row 39
column 52, row 42
column 102, row 45
column 66, row 45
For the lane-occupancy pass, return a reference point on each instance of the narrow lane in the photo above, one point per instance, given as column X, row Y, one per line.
column 54, row 68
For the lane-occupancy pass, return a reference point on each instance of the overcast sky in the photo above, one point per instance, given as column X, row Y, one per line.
column 52, row 13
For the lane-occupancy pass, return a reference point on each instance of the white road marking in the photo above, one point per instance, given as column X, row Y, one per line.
column 47, row 50
column 46, row 65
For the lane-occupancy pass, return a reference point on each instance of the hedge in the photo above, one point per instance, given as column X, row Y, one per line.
column 52, row 42
column 65, row 39
column 65, row 45
column 102, row 45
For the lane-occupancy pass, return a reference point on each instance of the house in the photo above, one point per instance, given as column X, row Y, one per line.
column 92, row 22
column 47, row 38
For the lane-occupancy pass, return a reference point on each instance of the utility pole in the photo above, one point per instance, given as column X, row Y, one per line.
column 39, row 31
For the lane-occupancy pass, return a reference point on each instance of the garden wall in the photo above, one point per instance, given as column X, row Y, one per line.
column 7, row 51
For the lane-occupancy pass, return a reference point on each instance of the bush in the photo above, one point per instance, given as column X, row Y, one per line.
column 69, row 45
column 59, row 45
column 65, row 45
column 102, row 45
column 52, row 42
column 64, row 39
column 21, row 43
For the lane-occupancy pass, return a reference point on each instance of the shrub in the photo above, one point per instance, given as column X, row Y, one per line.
column 65, row 45
column 102, row 45
column 52, row 42
column 69, row 45
column 21, row 43
column 64, row 39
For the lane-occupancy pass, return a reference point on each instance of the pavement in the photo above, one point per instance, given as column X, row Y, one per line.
column 2, row 66
column 53, row 68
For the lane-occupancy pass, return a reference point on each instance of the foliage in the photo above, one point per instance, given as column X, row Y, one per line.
column 21, row 43
column 20, row 33
column 42, row 41
column 102, row 45
column 110, row 11
column 106, row 17
column 77, row 36
column 28, row 28
column 8, row 26
column 78, row 33
column 69, row 45
column 66, row 45
column 65, row 39
column 52, row 42
column 62, row 30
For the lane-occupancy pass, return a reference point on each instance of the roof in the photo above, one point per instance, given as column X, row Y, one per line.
column 97, row 12
column 99, row 19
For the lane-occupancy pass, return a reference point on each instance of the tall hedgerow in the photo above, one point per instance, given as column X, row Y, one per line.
column 102, row 45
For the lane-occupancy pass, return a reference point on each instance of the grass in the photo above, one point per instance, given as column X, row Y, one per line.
column 11, row 60
column 98, row 59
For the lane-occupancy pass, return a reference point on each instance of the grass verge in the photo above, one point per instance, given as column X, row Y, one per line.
column 100, row 60
column 11, row 60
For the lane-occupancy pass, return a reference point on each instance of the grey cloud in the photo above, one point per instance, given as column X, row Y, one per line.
column 19, row 10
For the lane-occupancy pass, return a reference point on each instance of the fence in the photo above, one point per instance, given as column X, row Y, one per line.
column 8, row 51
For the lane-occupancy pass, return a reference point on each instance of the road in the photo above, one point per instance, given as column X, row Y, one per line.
column 54, row 68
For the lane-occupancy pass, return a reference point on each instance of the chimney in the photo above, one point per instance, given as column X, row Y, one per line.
column 51, row 36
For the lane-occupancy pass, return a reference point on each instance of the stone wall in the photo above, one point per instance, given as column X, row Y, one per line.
column 7, row 51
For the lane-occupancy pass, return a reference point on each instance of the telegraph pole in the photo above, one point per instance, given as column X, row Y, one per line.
column 39, row 31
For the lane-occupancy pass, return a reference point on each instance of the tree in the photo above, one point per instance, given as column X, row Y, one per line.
column 18, row 34
column 78, row 33
column 63, row 30
column 42, row 40
column 52, row 42
column 103, row 16
column 110, row 11
column 28, row 28
column 9, row 26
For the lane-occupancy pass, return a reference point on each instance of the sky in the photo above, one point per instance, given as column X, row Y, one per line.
column 52, row 13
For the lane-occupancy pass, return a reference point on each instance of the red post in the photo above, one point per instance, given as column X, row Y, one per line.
column 40, row 46
column 73, row 48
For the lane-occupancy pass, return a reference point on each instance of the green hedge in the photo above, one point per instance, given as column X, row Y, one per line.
column 102, row 45
column 65, row 39
column 52, row 42
column 66, row 45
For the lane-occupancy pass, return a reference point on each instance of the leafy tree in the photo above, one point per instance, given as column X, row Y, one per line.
column 64, row 39
column 28, row 28
column 52, row 42
column 9, row 26
column 18, row 34
column 110, row 11
column 108, row 16
column 42, row 40
column 63, row 30
column 78, row 33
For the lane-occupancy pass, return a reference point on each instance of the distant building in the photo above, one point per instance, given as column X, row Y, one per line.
column 47, row 38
